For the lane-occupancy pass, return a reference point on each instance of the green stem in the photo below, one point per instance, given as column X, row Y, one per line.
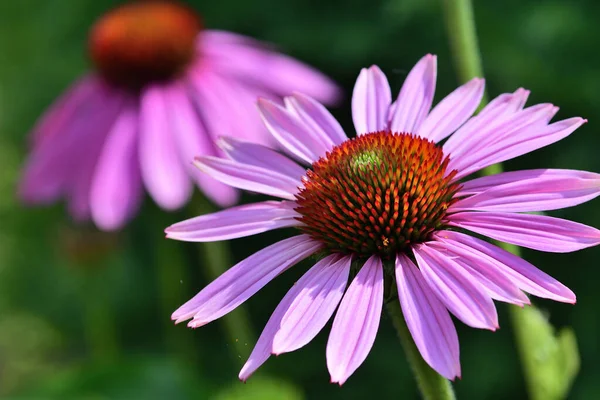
column 98, row 318
column 173, row 279
column 216, row 260
column 541, row 383
column 460, row 24
column 431, row 384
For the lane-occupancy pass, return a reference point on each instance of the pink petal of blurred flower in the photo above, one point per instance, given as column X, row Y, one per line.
column 170, row 88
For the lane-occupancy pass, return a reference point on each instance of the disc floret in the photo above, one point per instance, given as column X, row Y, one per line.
column 376, row 194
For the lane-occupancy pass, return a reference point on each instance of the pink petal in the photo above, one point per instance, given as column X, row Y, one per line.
column 325, row 282
column 116, row 190
column 371, row 100
column 416, row 96
column 356, row 322
column 549, row 190
column 315, row 297
column 291, row 133
column 163, row 172
column 260, row 156
column 523, row 274
column 64, row 110
column 456, row 288
column 317, row 118
column 235, row 222
column 254, row 62
column 452, row 111
column 226, row 106
column 522, row 141
column 249, row 177
column 244, row 279
column 478, row 185
column 50, row 167
column 496, row 283
column 497, row 112
column 192, row 141
column 87, row 154
column 538, row 232
column 428, row 320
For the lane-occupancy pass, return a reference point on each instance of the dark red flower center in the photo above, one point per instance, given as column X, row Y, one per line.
column 143, row 42
column 376, row 194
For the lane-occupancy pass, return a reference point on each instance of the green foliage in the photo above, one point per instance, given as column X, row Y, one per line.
column 261, row 389
column 551, row 359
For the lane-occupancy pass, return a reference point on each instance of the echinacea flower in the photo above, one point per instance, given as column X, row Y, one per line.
column 388, row 208
column 162, row 90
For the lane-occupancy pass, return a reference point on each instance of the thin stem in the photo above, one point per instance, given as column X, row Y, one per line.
column 460, row 25
column 431, row 384
column 216, row 258
column 98, row 318
column 173, row 279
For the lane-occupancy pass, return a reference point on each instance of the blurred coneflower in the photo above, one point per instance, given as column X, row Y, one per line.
column 386, row 214
column 161, row 90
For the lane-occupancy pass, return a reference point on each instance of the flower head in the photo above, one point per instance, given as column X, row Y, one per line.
column 162, row 89
column 390, row 208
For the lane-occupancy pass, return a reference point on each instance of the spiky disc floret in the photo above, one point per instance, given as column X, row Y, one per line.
column 143, row 42
column 376, row 194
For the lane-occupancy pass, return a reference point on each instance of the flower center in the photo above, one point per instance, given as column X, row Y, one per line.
column 144, row 42
column 376, row 194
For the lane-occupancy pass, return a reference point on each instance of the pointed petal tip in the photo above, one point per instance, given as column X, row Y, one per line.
column 243, row 376
column 196, row 324
column 338, row 381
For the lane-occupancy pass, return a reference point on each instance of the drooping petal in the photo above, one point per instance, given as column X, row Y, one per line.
column 249, row 177
column 244, row 279
column 519, row 142
column 324, row 286
column 226, row 106
column 371, row 101
column 88, row 152
column 163, row 173
column 291, row 133
column 539, row 190
column 456, row 288
column 64, row 110
column 523, row 274
column 452, row 111
column 116, row 190
column 192, row 140
column 497, row 284
column 235, row 222
column 316, row 116
column 356, row 322
column 315, row 297
column 497, row 112
column 416, row 96
column 260, row 156
column 538, row 232
column 256, row 63
column 428, row 320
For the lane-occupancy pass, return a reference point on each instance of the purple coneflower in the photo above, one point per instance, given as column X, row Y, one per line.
column 162, row 90
column 389, row 207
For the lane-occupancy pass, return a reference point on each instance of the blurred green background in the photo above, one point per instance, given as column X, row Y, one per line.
column 85, row 315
